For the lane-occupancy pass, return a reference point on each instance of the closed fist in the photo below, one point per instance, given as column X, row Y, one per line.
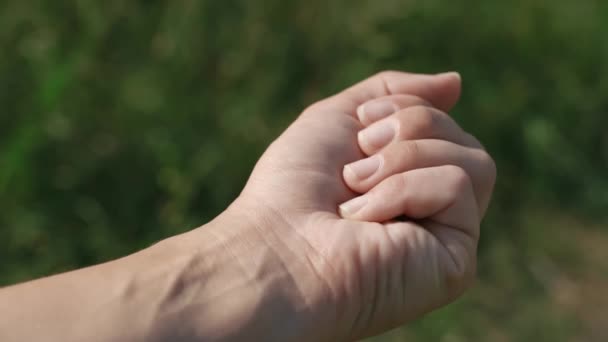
column 372, row 201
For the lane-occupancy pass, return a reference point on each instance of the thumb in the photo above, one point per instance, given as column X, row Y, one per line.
column 441, row 90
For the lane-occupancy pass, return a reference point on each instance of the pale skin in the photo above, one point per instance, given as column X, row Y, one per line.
column 362, row 216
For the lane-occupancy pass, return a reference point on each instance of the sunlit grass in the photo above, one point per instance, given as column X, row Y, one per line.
column 125, row 122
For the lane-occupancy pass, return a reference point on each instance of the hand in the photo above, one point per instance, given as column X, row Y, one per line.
column 281, row 263
column 425, row 183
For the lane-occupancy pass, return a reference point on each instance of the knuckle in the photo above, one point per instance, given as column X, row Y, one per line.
column 384, row 74
column 387, row 77
column 458, row 178
column 316, row 106
column 398, row 181
column 410, row 151
column 398, row 156
column 489, row 166
column 391, row 184
column 489, row 162
column 423, row 117
column 404, row 101
column 408, row 101
column 473, row 141
column 417, row 121
column 421, row 102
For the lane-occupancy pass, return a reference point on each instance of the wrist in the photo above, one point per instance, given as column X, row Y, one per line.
column 233, row 279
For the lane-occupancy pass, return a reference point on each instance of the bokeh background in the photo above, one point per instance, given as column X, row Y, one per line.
column 125, row 122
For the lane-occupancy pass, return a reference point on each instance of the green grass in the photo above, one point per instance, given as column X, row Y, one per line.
column 122, row 123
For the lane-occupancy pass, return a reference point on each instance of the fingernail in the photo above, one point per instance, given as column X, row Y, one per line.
column 377, row 135
column 376, row 110
column 364, row 168
column 454, row 74
column 351, row 207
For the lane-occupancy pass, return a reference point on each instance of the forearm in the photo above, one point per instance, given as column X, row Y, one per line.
column 119, row 300
column 189, row 287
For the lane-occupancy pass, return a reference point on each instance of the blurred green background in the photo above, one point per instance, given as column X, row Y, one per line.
column 124, row 122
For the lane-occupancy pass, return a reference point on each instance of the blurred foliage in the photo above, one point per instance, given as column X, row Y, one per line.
column 124, row 122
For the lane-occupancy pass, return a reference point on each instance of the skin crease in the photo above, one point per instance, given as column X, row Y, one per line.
column 289, row 260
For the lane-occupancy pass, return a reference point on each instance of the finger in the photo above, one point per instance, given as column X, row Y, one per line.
column 362, row 175
column 376, row 109
column 441, row 90
column 443, row 194
column 417, row 122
